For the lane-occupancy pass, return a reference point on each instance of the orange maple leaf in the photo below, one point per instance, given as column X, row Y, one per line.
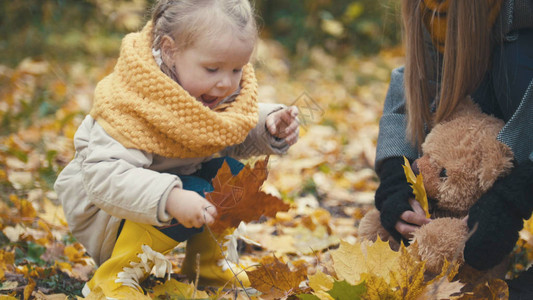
column 239, row 198
column 275, row 279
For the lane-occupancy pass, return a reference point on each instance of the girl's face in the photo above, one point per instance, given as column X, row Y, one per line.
column 211, row 69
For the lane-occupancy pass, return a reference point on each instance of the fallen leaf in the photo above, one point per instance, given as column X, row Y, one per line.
column 351, row 261
column 377, row 288
column 8, row 285
column 321, row 281
column 40, row 296
column 493, row 289
column 239, row 198
column 28, row 290
column 342, row 290
column 178, row 290
column 441, row 289
column 275, row 279
column 409, row 277
column 76, row 253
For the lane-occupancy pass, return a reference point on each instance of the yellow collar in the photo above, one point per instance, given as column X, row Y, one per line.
column 142, row 108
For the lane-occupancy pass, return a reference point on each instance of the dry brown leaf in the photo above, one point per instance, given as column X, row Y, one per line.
column 441, row 289
column 239, row 198
column 275, row 279
column 493, row 289
column 41, row 296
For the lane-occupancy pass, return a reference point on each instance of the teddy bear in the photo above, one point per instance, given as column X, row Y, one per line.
column 461, row 159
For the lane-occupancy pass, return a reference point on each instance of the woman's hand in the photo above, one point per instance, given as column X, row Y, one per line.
column 284, row 124
column 411, row 220
column 189, row 208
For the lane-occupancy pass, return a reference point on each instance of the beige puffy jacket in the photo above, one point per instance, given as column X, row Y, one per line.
column 106, row 182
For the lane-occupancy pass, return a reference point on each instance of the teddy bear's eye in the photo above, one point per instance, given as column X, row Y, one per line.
column 443, row 173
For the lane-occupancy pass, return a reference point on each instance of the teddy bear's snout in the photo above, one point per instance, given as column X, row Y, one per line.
column 414, row 167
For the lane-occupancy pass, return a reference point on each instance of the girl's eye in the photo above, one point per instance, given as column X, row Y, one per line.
column 237, row 70
column 443, row 173
column 211, row 70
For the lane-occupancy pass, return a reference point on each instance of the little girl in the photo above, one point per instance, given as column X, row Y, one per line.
column 181, row 92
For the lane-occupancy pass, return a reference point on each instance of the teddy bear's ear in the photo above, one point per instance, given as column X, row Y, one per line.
column 496, row 162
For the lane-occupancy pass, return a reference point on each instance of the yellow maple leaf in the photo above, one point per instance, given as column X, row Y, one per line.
column 409, row 277
column 417, row 183
column 377, row 288
column 351, row 261
column 182, row 290
column 320, row 281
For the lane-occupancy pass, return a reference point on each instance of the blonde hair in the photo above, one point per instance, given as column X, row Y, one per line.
column 187, row 20
column 465, row 61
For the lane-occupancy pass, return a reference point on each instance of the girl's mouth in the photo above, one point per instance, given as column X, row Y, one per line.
column 209, row 101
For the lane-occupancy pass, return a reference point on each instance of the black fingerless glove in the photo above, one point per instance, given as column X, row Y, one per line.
column 499, row 213
column 392, row 195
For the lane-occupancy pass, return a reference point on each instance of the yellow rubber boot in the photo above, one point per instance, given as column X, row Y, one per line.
column 139, row 249
column 214, row 268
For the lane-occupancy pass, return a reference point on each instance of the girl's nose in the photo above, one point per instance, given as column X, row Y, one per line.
column 224, row 82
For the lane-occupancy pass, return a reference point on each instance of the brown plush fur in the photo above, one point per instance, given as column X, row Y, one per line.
column 466, row 146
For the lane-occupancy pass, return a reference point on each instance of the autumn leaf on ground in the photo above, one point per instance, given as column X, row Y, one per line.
column 441, row 289
column 351, row 261
column 409, row 278
column 275, row 279
column 342, row 290
column 492, row 289
column 417, row 183
column 378, row 288
column 239, row 198
column 177, row 290
column 7, row 259
column 321, row 281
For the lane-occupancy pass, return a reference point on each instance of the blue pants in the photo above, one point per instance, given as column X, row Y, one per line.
column 200, row 182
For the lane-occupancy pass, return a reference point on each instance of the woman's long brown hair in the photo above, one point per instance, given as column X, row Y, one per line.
column 465, row 60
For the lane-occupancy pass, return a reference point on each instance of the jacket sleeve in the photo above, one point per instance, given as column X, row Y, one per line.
column 259, row 141
column 117, row 180
column 392, row 141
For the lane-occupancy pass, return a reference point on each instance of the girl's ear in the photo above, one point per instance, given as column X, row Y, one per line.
column 167, row 47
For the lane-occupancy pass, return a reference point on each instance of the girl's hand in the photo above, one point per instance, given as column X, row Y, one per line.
column 190, row 209
column 284, row 124
column 411, row 220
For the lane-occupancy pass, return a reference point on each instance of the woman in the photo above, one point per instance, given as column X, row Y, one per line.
column 455, row 48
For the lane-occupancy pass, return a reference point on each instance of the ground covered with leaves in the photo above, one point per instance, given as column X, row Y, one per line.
column 308, row 250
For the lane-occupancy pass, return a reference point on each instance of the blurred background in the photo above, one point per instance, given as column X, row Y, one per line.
column 81, row 29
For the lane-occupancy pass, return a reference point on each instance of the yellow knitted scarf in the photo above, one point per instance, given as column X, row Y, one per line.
column 142, row 108
column 435, row 18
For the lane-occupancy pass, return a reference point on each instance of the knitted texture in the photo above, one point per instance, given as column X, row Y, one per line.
column 142, row 108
